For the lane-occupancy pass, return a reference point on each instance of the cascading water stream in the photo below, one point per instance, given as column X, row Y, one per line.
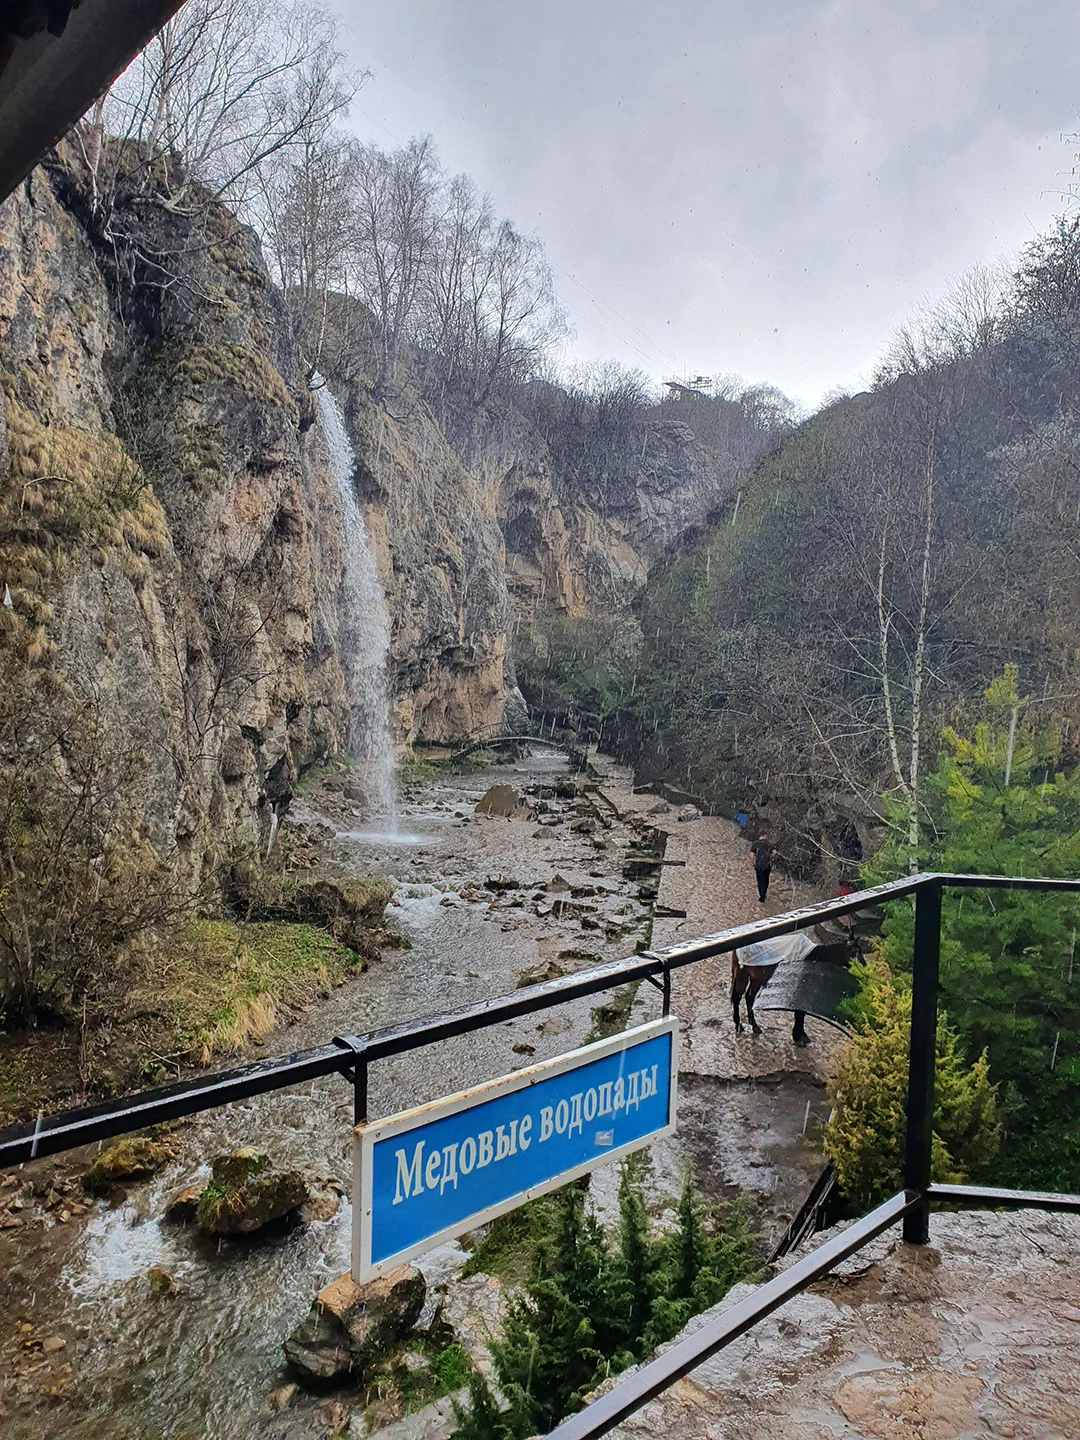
column 365, row 629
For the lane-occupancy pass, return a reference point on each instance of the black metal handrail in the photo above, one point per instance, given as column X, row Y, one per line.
column 351, row 1056
column 685, row 1355
column 911, row 1208
column 652, row 1379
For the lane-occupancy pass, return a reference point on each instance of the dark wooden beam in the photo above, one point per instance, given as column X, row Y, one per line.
column 50, row 78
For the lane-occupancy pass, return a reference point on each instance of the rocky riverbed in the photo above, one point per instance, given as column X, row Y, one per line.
column 95, row 1341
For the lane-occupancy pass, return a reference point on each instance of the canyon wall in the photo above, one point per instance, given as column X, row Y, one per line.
column 171, row 537
column 170, row 542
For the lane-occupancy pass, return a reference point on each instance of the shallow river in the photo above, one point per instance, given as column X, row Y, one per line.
column 201, row 1361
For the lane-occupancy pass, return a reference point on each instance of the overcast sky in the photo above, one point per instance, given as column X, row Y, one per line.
column 766, row 188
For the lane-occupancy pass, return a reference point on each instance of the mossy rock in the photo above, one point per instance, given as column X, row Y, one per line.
column 351, row 909
column 540, row 973
column 245, row 1193
column 135, row 1157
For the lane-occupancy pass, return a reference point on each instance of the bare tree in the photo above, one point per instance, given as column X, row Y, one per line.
column 967, row 319
column 80, row 875
column 225, row 87
column 307, row 211
column 394, row 228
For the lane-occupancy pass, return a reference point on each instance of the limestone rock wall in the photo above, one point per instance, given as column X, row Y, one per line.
column 584, row 547
column 441, row 558
column 170, row 540
column 170, row 531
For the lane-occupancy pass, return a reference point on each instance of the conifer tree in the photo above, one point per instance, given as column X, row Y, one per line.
column 547, row 1354
column 640, row 1259
column 691, row 1242
column 705, row 1256
column 584, row 1266
column 864, row 1136
column 591, row 1306
column 1000, row 802
column 482, row 1419
column 732, row 1247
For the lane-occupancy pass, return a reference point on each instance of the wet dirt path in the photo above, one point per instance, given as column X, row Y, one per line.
column 104, row 1357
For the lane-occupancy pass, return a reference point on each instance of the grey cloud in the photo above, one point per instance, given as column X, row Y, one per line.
column 765, row 188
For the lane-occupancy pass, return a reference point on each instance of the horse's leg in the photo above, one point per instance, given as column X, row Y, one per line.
column 751, row 995
column 798, row 1033
column 738, row 984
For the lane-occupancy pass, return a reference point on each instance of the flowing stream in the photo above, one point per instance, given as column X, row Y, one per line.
column 365, row 623
column 200, row 1362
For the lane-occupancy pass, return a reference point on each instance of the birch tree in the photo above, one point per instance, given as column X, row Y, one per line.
column 223, row 88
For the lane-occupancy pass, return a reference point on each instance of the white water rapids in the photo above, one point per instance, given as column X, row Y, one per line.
column 365, row 627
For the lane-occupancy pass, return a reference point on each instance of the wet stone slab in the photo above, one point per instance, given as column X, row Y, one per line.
column 976, row 1335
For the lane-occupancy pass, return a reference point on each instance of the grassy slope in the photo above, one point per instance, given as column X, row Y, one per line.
column 212, row 988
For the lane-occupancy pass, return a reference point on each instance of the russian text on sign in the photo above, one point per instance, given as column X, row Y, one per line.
column 439, row 1170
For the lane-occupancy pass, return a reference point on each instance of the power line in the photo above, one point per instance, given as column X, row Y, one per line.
column 654, row 354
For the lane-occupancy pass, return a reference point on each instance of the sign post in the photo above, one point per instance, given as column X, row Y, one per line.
column 435, row 1172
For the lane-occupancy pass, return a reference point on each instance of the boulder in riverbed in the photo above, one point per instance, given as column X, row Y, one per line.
column 540, row 973
column 322, row 1204
column 135, row 1157
column 351, row 1327
column 184, row 1205
column 499, row 800
column 350, row 908
column 246, row 1192
column 160, row 1281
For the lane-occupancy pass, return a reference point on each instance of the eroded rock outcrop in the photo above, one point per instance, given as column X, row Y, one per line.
column 351, row 1327
column 177, row 559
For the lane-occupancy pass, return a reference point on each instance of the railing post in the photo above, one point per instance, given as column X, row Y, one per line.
column 360, row 1092
column 922, row 1053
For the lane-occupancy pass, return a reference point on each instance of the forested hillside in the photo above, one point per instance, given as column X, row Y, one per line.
column 802, row 651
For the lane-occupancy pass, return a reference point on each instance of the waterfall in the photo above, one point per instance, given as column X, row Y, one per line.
column 365, row 629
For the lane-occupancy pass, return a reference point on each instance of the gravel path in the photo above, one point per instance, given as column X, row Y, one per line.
column 716, row 888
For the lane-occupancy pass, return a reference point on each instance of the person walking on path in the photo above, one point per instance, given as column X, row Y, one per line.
column 762, row 853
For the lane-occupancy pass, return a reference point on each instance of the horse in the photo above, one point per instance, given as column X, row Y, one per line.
column 752, row 970
column 749, row 981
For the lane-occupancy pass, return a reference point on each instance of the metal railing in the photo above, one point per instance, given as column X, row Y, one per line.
column 351, row 1056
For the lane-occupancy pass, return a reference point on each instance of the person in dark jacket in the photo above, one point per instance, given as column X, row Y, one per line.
column 762, row 854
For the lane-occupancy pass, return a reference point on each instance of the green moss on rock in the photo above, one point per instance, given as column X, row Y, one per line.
column 134, row 1157
column 245, row 1193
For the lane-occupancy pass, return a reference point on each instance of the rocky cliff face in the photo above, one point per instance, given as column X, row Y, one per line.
column 170, row 542
column 441, row 559
column 581, row 545
column 171, row 538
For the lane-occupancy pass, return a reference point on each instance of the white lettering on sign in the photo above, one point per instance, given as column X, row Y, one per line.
column 409, row 1174
column 489, row 1147
column 434, row 1172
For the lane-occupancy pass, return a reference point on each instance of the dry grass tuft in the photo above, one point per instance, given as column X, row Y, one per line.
column 226, row 985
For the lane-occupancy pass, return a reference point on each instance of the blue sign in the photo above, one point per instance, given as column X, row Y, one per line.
column 431, row 1173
